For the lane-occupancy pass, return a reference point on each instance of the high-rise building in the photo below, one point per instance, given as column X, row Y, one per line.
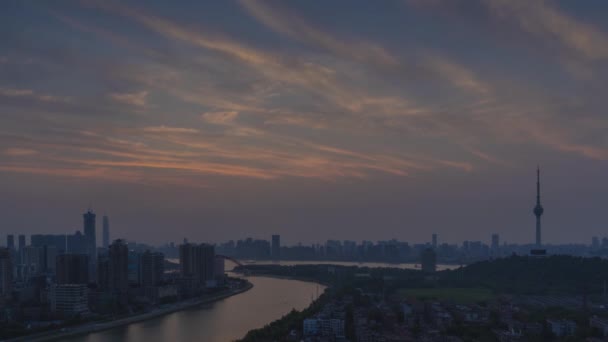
column 103, row 272
column 118, row 256
column 204, row 257
column 90, row 239
column 538, row 209
column 186, row 255
column 276, row 247
column 69, row 299
column 29, row 265
column 595, row 242
column 133, row 266
column 434, row 241
column 6, row 273
column 76, row 243
column 197, row 261
column 72, row 269
column 48, row 255
column 219, row 269
column 58, row 241
column 10, row 242
column 21, row 241
column 106, row 231
column 151, row 268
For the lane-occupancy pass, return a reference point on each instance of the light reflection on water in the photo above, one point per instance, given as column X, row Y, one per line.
column 221, row 321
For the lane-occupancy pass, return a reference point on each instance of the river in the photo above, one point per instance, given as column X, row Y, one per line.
column 231, row 318
column 225, row 320
column 408, row 266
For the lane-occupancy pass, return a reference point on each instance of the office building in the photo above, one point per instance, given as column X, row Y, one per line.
column 276, row 247
column 106, row 232
column 72, row 269
column 6, row 273
column 69, row 299
column 90, row 239
column 434, row 241
column 151, row 268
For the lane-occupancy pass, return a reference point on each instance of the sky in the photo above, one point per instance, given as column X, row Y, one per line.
column 316, row 120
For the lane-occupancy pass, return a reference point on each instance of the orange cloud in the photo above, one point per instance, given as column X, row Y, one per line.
column 136, row 99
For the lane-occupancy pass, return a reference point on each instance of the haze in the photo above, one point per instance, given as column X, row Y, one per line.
column 313, row 120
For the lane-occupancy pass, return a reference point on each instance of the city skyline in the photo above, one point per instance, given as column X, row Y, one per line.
column 311, row 120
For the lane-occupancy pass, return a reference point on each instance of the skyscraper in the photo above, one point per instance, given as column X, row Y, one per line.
column 77, row 244
column 10, row 242
column 197, row 261
column 118, row 256
column 90, row 239
column 6, row 273
column 434, row 241
column 538, row 209
column 106, row 231
column 21, row 242
column 276, row 247
column 72, row 269
column 186, row 254
column 151, row 268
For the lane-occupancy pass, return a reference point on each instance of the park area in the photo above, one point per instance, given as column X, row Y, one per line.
column 457, row 295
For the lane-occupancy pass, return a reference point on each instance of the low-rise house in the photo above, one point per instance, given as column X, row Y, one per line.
column 599, row 323
column 561, row 327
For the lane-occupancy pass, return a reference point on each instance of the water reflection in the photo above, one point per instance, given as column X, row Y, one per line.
column 225, row 320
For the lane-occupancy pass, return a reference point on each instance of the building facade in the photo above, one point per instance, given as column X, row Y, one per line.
column 69, row 299
column 72, row 269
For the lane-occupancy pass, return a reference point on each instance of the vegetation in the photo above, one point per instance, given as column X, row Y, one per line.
column 481, row 282
column 279, row 329
column 558, row 274
column 457, row 295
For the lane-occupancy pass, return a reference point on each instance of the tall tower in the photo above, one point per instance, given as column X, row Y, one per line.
column 106, row 232
column 538, row 209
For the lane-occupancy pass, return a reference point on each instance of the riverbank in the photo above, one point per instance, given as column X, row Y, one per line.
column 97, row 326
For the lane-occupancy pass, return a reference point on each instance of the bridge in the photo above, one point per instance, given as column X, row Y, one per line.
column 238, row 263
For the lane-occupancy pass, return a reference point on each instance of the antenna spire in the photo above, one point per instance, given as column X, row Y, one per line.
column 538, row 184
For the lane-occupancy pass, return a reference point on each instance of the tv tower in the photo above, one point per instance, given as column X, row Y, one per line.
column 538, row 209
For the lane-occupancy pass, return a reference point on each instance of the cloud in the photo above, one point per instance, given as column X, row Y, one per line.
column 456, row 74
column 167, row 129
column 289, row 24
column 136, row 99
column 547, row 22
column 31, row 94
column 220, row 118
column 17, row 151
